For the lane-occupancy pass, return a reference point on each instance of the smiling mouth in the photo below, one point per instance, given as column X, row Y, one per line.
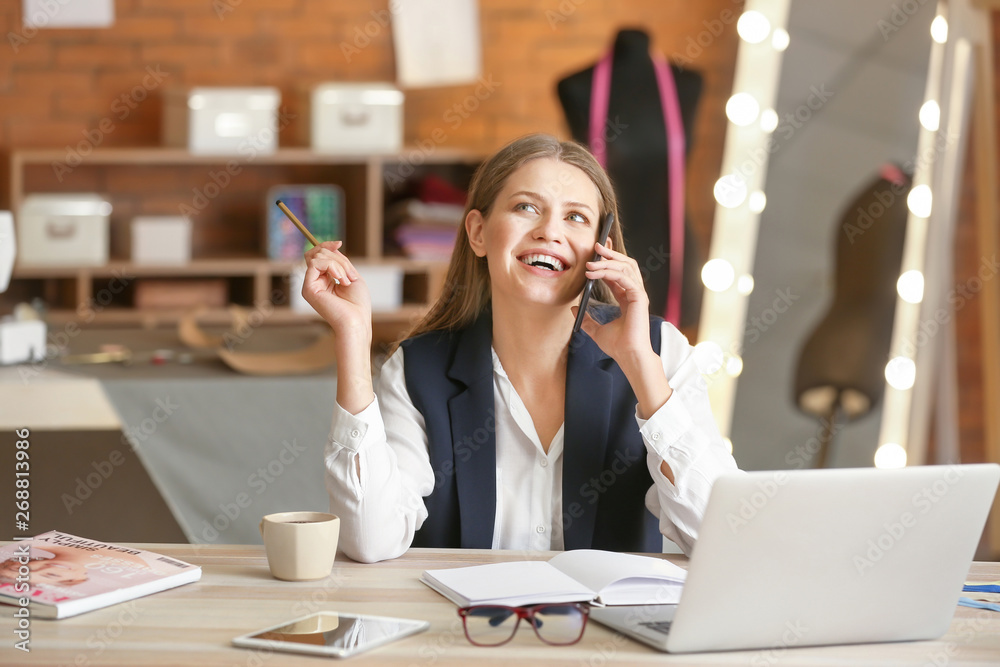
column 543, row 262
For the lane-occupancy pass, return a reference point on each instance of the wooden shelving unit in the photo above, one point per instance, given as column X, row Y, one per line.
column 228, row 237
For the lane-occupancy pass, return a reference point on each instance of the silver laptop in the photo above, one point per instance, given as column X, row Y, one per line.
column 813, row 557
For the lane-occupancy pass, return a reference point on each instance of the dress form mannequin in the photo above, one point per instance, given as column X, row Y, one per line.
column 637, row 162
column 841, row 367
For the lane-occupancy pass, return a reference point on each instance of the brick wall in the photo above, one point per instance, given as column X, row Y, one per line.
column 56, row 85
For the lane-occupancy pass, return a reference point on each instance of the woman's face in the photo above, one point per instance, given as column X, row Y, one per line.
column 50, row 570
column 539, row 233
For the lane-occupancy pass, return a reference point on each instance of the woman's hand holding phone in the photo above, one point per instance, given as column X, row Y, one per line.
column 626, row 336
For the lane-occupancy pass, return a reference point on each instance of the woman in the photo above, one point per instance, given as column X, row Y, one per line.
column 493, row 425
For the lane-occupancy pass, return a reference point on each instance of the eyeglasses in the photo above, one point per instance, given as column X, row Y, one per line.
column 555, row 624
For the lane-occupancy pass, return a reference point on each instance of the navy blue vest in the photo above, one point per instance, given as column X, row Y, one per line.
column 449, row 377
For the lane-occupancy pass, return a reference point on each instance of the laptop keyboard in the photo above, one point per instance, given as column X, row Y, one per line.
column 663, row 627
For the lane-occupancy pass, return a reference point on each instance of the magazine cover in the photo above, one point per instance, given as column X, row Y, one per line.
column 63, row 575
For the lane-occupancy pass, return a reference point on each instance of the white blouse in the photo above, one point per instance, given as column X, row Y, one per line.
column 386, row 443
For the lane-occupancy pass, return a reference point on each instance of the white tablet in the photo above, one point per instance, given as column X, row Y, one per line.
column 330, row 633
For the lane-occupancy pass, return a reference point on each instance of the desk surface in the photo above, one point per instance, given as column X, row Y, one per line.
column 193, row 624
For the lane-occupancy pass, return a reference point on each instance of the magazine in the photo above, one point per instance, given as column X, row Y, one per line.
column 60, row 575
column 581, row 575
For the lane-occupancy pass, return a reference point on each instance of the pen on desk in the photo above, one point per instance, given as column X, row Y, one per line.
column 295, row 221
column 982, row 587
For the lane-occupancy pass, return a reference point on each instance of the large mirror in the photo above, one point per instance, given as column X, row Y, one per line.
column 852, row 80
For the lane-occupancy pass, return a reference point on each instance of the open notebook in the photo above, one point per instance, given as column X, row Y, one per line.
column 582, row 575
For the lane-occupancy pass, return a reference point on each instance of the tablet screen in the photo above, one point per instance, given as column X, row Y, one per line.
column 332, row 633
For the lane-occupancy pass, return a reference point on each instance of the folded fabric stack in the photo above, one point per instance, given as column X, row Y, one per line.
column 425, row 227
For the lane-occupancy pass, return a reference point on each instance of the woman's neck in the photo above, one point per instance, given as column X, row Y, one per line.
column 532, row 339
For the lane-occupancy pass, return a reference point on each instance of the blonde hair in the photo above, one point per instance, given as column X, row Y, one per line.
column 466, row 292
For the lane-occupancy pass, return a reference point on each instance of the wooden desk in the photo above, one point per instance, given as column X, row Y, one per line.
column 193, row 624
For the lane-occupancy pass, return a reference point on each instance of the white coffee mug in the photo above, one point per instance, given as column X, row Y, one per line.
column 300, row 546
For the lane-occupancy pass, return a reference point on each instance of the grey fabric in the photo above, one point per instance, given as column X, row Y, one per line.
column 225, row 451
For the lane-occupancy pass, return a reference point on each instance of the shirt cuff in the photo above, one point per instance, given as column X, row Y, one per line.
column 353, row 431
column 665, row 429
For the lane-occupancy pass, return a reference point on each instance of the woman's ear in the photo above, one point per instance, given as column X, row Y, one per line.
column 474, row 228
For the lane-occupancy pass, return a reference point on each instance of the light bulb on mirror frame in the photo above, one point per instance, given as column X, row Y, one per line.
column 718, row 274
column 753, row 27
column 742, row 109
column 730, row 191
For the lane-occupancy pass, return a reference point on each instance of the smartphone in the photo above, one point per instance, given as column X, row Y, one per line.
column 330, row 633
column 589, row 287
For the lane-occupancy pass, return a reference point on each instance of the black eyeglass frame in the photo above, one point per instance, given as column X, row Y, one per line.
column 527, row 612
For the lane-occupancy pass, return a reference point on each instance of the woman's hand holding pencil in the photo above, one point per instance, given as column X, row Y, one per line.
column 335, row 289
column 332, row 286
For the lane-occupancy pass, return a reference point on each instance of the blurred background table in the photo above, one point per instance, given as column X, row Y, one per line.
column 206, row 451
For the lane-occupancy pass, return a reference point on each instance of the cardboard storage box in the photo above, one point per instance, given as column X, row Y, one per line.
column 63, row 230
column 161, row 239
column 222, row 121
column 181, row 293
column 355, row 118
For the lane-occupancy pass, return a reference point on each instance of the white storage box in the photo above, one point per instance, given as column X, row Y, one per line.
column 21, row 341
column 352, row 118
column 8, row 248
column 222, row 121
column 161, row 239
column 63, row 229
column 385, row 285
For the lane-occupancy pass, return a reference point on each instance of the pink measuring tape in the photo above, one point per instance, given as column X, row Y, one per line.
column 599, row 99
